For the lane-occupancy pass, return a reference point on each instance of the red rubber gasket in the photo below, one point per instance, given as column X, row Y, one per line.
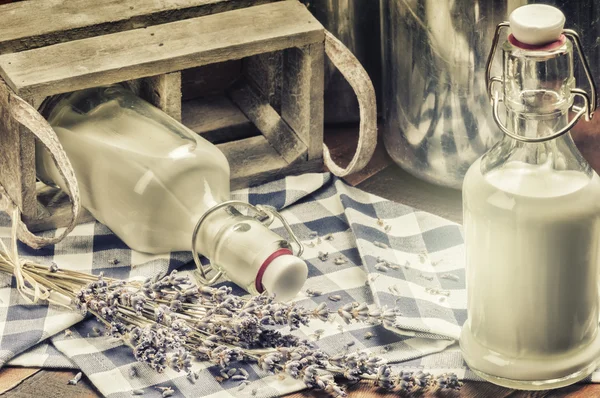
column 265, row 264
column 544, row 47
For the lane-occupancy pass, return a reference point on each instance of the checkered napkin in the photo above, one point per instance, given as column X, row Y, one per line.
column 379, row 252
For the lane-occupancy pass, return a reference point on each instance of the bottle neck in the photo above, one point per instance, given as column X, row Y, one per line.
column 246, row 251
column 536, row 125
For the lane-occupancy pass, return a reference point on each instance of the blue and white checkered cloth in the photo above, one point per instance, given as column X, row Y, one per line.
column 424, row 279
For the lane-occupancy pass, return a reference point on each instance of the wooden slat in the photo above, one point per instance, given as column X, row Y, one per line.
column 265, row 72
column 17, row 172
column 302, row 95
column 160, row 49
column 12, row 377
column 162, row 91
column 274, row 128
column 38, row 23
column 253, row 161
column 217, row 119
column 53, row 384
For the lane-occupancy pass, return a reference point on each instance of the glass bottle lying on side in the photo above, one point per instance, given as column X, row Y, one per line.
column 161, row 187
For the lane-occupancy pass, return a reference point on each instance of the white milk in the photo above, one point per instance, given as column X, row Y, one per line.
column 144, row 175
column 150, row 179
column 532, row 235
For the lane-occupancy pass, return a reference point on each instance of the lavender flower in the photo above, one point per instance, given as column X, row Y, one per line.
column 169, row 322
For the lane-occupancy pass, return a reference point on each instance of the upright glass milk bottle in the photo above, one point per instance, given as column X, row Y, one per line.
column 160, row 187
column 531, row 218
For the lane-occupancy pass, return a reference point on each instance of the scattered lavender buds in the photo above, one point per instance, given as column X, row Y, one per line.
column 170, row 322
column 339, row 260
column 381, row 245
column 451, row 277
column 428, row 277
column 436, row 291
column 381, row 267
column 75, row 379
column 318, row 333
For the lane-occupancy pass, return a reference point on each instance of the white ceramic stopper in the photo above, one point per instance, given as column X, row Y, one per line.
column 285, row 276
column 537, row 24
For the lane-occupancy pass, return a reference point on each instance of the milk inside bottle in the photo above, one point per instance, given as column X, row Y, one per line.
column 532, row 221
column 151, row 180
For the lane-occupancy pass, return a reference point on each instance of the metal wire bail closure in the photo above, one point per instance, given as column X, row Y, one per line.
column 265, row 214
column 589, row 101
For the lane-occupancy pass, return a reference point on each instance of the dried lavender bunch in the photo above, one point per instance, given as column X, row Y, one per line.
column 168, row 321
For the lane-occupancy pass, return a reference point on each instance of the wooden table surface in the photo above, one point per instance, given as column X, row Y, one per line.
column 382, row 179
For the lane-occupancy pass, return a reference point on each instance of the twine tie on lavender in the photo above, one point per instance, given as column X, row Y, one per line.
column 32, row 291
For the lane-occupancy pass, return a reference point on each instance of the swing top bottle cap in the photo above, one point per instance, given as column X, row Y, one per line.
column 285, row 276
column 537, row 24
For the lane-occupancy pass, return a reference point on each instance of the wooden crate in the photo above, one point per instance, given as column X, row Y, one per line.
column 51, row 47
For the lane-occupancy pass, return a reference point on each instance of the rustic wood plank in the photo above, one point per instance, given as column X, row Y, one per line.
column 53, row 384
column 12, row 377
column 162, row 49
column 17, row 163
column 253, row 161
column 38, row 23
column 29, row 204
column 267, row 120
column 265, row 72
column 217, row 119
column 302, row 95
column 162, row 91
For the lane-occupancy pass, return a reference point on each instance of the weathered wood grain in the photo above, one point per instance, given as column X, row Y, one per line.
column 52, row 384
column 17, row 164
column 258, row 110
column 302, row 95
column 162, row 91
column 38, row 23
column 167, row 48
column 253, row 161
column 265, row 72
column 12, row 377
column 217, row 119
